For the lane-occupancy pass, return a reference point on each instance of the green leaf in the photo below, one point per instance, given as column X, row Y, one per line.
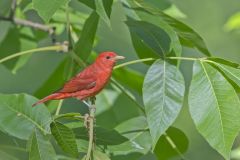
column 171, row 144
column 27, row 42
column 84, row 158
column 5, row 7
column 163, row 93
column 175, row 42
column 108, row 6
column 5, row 26
column 131, row 78
column 18, row 118
column 97, row 155
column 175, row 12
column 148, row 39
column 103, row 136
column 46, row 8
column 62, row 157
column 76, row 19
column 102, row 7
column 233, row 22
column 89, row 3
column 102, row 13
column 65, row 138
column 187, row 35
column 82, row 145
column 136, row 130
column 51, row 84
column 231, row 72
column 74, row 125
column 5, row 156
column 224, row 61
column 106, row 99
column 84, row 45
column 22, row 60
column 40, row 148
column 214, row 107
column 6, row 47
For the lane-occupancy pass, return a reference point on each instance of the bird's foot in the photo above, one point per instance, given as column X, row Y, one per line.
column 87, row 119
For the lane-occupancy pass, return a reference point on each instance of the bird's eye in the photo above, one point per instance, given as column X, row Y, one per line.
column 108, row 57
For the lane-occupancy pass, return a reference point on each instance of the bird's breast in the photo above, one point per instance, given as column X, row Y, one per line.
column 102, row 79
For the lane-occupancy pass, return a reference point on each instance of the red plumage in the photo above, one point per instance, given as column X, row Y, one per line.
column 89, row 82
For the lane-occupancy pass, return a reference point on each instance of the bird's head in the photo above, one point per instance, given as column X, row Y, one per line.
column 108, row 58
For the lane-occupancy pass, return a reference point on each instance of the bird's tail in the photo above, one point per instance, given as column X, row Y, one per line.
column 53, row 96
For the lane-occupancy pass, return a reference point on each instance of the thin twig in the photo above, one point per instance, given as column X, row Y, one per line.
column 27, row 23
column 35, row 25
column 61, row 47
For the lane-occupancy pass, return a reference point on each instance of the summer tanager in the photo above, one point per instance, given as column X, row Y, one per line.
column 90, row 81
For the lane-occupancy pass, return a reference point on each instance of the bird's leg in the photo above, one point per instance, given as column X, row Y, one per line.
column 90, row 106
column 85, row 102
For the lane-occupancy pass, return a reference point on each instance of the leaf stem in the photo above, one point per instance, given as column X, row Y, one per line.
column 59, row 107
column 152, row 59
column 69, row 115
column 186, row 58
column 133, row 62
column 49, row 48
column 173, row 145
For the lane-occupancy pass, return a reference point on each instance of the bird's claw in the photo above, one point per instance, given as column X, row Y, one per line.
column 87, row 118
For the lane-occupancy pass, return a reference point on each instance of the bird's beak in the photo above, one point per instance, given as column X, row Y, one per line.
column 119, row 57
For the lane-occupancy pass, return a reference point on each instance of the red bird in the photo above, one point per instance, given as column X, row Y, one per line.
column 89, row 82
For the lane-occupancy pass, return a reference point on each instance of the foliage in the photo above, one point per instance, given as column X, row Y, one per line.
column 136, row 113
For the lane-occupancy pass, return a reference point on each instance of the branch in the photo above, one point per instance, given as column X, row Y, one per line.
column 92, row 110
column 34, row 25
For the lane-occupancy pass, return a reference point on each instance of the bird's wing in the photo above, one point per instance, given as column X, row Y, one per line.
column 85, row 80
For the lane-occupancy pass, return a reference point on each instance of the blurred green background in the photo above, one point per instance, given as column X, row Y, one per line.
column 207, row 17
